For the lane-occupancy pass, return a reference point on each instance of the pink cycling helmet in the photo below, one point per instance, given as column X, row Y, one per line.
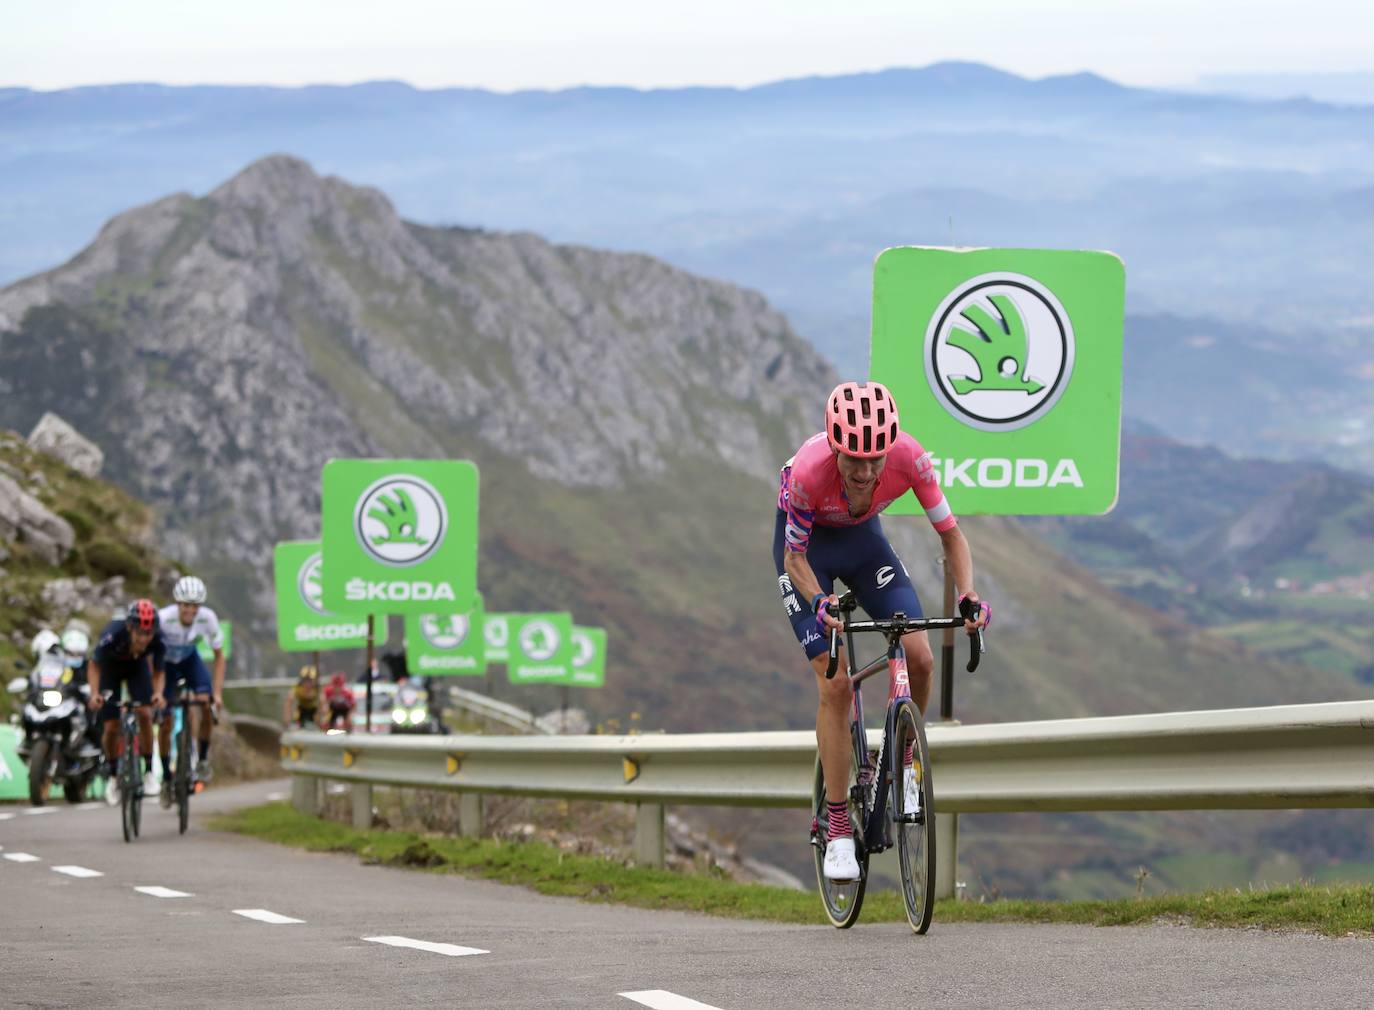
column 861, row 419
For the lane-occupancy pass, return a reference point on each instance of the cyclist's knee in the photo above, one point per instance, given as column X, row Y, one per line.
column 919, row 659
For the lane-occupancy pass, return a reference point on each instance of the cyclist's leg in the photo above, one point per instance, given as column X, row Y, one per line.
column 835, row 695
column 198, row 679
column 110, row 681
column 172, row 686
column 882, row 586
column 140, row 681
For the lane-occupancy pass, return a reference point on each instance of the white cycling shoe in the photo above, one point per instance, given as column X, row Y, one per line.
column 911, row 793
column 840, row 864
column 112, row 790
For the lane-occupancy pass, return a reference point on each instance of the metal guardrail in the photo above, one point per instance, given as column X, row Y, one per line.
column 1284, row 757
column 1288, row 756
column 264, row 699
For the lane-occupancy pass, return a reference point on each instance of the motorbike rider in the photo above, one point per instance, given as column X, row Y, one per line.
column 76, row 643
column 129, row 651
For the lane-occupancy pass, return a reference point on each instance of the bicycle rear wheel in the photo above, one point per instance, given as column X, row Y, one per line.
column 182, row 782
column 841, row 899
column 914, row 824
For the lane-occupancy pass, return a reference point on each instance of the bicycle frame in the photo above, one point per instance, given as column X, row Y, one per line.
column 875, row 831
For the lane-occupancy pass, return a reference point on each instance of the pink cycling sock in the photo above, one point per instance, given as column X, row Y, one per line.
column 839, row 820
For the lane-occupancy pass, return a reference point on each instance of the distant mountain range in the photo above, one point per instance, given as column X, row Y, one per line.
column 1248, row 218
column 628, row 419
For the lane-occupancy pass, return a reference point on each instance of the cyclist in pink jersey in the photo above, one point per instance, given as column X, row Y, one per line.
column 828, row 528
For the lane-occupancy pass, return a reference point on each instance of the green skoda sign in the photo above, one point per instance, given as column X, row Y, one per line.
column 496, row 637
column 540, row 647
column 589, row 657
column 303, row 623
column 1006, row 367
column 446, row 644
column 400, row 535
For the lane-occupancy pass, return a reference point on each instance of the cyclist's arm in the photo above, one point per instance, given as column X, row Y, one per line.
column 218, row 693
column 93, row 681
column 157, row 657
column 959, row 559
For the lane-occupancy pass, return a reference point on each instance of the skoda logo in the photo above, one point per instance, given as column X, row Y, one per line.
column 445, row 632
column 999, row 351
column 400, row 520
column 539, row 640
column 496, row 632
column 583, row 649
column 308, row 584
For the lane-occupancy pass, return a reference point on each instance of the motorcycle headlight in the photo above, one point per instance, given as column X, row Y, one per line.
column 398, row 716
column 51, row 699
column 417, row 716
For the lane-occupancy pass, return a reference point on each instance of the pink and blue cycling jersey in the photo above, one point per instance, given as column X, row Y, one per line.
column 811, row 491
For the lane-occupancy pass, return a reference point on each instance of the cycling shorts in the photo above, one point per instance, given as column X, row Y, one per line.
column 191, row 672
column 861, row 558
column 133, row 672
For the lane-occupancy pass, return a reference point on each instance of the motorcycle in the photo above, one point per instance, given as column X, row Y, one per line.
column 56, row 743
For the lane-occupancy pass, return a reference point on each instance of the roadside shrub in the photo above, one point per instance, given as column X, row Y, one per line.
column 106, row 559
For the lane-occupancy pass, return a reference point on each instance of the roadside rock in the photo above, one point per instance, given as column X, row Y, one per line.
column 65, row 597
column 22, row 515
column 58, row 438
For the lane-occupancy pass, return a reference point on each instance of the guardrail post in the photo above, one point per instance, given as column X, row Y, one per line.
column 362, row 806
column 649, row 834
column 305, row 794
column 946, row 854
column 470, row 814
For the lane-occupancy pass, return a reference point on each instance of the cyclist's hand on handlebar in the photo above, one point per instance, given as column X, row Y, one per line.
column 977, row 613
column 95, row 701
column 158, row 703
column 825, row 619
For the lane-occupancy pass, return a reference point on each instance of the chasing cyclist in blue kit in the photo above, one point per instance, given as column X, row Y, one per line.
column 185, row 623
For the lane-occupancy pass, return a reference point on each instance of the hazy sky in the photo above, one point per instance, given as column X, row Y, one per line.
column 511, row 44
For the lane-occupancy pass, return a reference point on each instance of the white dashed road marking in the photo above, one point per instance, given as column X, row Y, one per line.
column 449, row 949
column 33, row 811
column 5, row 817
column 163, row 892
column 77, row 871
column 92, row 806
column 263, row 915
column 274, row 797
column 659, row 999
column 21, row 857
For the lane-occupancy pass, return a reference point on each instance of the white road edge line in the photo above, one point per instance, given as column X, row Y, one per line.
column 448, row 949
column 660, row 999
column 275, row 797
column 77, row 871
column 263, row 915
column 21, row 857
column 163, row 892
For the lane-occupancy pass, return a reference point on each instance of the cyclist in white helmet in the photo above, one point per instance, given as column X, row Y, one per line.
column 184, row 623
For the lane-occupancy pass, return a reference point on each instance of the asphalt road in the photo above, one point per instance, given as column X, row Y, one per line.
column 68, row 938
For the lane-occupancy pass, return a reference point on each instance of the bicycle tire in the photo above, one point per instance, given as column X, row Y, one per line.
column 128, row 784
column 915, row 836
column 40, row 771
column 182, row 786
column 841, row 901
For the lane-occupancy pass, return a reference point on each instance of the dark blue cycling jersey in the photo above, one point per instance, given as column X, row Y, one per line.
column 113, row 654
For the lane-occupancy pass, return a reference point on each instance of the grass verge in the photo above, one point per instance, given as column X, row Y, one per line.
column 1334, row 910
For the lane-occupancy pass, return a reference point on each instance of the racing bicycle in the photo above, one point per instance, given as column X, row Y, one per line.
column 890, row 791
column 130, row 770
column 183, row 784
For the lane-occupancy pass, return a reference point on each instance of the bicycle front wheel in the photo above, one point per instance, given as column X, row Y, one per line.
column 913, row 815
column 841, row 899
column 182, row 782
column 128, row 786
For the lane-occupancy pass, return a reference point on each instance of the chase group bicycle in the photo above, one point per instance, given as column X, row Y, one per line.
column 890, row 793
